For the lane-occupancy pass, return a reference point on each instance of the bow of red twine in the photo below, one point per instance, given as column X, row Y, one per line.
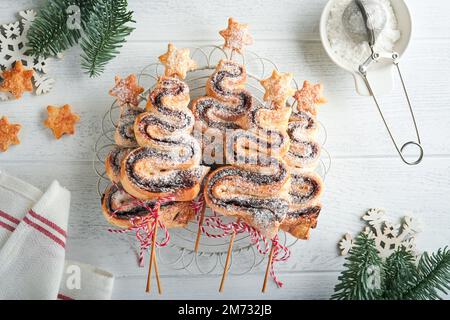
column 280, row 253
column 145, row 226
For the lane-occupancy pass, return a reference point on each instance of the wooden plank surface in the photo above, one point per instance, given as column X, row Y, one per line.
column 346, row 116
column 355, row 184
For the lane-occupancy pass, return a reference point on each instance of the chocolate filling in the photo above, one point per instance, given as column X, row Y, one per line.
column 125, row 126
column 304, row 180
column 183, row 122
column 263, row 210
column 116, row 156
column 311, row 153
column 303, row 121
column 130, row 207
column 309, row 212
column 176, row 180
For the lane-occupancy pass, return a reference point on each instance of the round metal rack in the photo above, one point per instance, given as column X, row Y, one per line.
column 179, row 253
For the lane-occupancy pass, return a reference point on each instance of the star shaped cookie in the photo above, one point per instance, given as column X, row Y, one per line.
column 309, row 96
column 17, row 80
column 236, row 36
column 177, row 62
column 61, row 120
column 278, row 87
column 126, row 90
column 8, row 134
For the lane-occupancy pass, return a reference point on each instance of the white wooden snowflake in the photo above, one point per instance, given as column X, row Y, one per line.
column 13, row 37
column 388, row 236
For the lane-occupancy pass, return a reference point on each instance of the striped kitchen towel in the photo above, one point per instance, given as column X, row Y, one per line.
column 33, row 234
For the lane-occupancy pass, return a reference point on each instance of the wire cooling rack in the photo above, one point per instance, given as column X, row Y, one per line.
column 179, row 253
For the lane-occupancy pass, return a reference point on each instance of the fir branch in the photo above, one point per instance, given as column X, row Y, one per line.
column 105, row 32
column 400, row 272
column 433, row 276
column 48, row 35
column 358, row 281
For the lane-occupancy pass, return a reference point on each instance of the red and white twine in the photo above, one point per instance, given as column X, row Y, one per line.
column 280, row 253
column 145, row 226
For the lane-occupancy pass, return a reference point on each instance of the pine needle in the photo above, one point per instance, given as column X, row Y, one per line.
column 105, row 32
column 433, row 276
column 400, row 279
column 48, row 34
column 400, row 272
column 362, row 278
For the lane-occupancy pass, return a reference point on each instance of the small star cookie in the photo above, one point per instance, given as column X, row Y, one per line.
column 17, row 80
column 177, row 62
column 61, row 120
column 309, row 96
column 236, row 36
column 126, row 90
column 8, row 134
column 278, row 87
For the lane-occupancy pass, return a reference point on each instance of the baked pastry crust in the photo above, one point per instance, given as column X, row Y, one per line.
column 304, row 151
column 177, row 62
column 113, row 163
column 118, row 208
column 145, row 174
column 309, row 97
column 8, row 134
column 124, row 135
column 61, row 120
column 236, row 36
column 278, row 88
column 168, row 163
column 261, row 200
column 17, row 80
column 300, row 221
column 127, row 90
column 227, row 102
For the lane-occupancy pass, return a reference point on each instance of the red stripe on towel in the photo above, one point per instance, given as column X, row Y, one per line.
column 48, row 223
column 7, row 226
column 9, row 217
column 44, row 232
column 63, row 297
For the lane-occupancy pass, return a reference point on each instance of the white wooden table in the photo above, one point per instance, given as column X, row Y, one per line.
column 366, row 171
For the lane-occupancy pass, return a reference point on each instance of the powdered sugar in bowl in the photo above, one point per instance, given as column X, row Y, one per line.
column 350, row 54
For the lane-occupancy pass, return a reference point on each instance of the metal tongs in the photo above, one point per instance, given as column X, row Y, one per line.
column 363, row 68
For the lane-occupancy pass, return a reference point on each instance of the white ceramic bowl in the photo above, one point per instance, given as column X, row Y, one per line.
column 380, row 75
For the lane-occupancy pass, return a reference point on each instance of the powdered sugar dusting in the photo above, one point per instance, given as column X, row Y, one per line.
column 350, row 52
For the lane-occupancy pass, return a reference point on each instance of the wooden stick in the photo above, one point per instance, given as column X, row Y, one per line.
column 158, row 282
column 200, row 224
column 152, row 256
column 269, row 264
column 227, row 261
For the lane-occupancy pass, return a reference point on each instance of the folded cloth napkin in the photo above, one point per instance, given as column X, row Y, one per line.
column 32, row 247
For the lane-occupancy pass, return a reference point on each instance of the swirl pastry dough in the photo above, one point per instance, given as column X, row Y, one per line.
column 300, row 221
column 119, row 208
column 148, row 173
column 304, row 152
column 113, row 163
column 227, row 102
column 306, row 188
column 251, row 195
column 167, row 163
column 124, row 135
column 304, row 208
column 303, row 121
column 256, row 186
column 303, row 155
